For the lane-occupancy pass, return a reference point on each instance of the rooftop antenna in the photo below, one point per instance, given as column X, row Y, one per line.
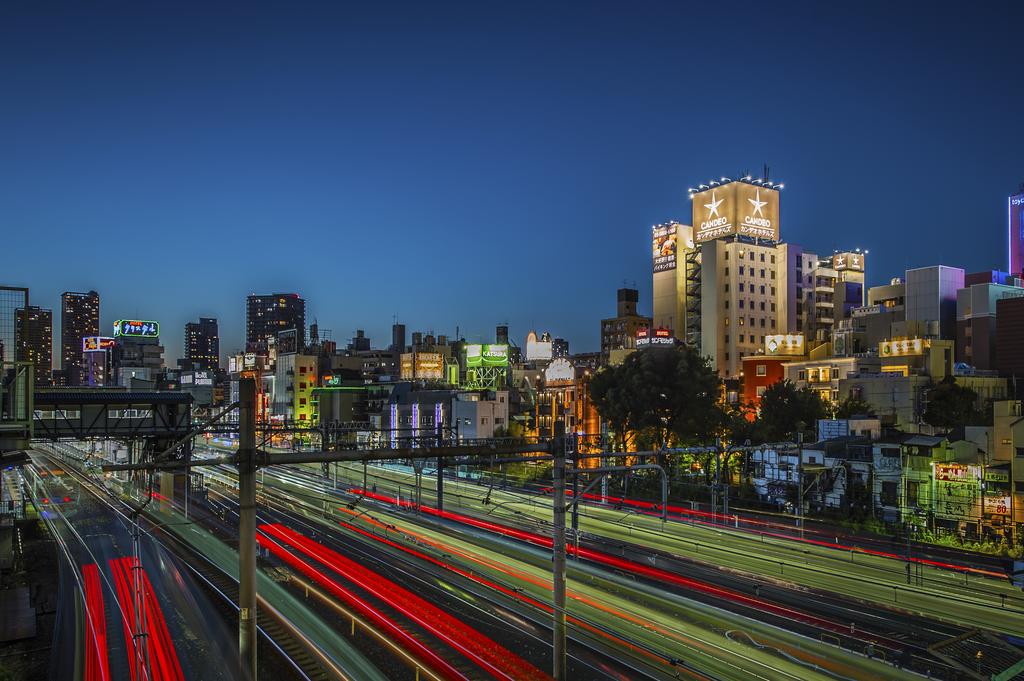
column 766, row 172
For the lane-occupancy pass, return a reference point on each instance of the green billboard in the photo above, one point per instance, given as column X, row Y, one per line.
column 478, row 355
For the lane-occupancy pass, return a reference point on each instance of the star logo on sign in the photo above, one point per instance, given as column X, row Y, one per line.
column 713, row 206
column 757, row 203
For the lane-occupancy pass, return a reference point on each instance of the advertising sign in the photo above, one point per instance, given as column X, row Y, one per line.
column 852, row 261
column 659, row 336
column 757, row 211
column 474, row 355
column 559, row 370
column 736, row 208
column 537, row 349
column 866, row 310
column 288, row 342
column 997, row 505
column 902, row 348
column 784, row 344
column 1016, row 236
column 664, row 246
column 495, row 355
column 486, row 355
column 422, row 366
column 135, row 327
column 957, row 491
column 407, row 366
column 429, row 365
column 97, row 343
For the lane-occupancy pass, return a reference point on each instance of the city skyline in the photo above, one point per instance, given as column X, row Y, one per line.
column 431, row 144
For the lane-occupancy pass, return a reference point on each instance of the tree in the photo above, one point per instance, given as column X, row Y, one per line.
column 853, row 406
column 783, row 406
column 951, row 405
column 670, row 394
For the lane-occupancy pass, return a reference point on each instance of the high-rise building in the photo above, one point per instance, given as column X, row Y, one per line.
column 741, row 301
column 620, row 332
column 1015, row 228
column 736, row 291
column 501, row 334
column 397, row 338
column 12, row 299
column 202, row 344
column 33, row 336
column 268, row 315
column 79, row 318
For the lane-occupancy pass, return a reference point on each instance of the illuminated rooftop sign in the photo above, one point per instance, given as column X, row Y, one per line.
column 135, row 327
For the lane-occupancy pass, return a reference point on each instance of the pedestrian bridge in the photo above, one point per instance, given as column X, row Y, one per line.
column 71, row 414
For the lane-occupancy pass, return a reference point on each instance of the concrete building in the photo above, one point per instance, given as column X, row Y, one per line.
column 741, row 301
column 79, row 318
column 931, row 294
column 824, row 374
column 268, row 315
column 33, row 334
column 202, row 344
column 976, row 321
column 620, row 332
column 295, row 378
column 137, row 358
column 1009, row 359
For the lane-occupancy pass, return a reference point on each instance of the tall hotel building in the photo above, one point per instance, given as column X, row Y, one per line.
column 720, row 284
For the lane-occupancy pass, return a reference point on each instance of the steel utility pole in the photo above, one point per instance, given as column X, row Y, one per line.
column 800, row 476
column 558, row 564
column 247, row 528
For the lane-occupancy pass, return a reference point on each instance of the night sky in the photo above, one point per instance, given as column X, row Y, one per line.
column 471, row 164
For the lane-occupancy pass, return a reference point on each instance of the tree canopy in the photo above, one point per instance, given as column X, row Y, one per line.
column 670, row 394
column 783, row 407
column 951, row 405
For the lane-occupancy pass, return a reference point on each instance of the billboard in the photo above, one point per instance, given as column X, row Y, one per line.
column 495, row 355
column 664, row 243
column 287, row 342
column 902, row 348
column 97, row 343
column 659, row 336
column 537, row 349
column 422, row 366
column 136, row 327
column 784, row 344
column 736, row 208
column 851, row 261
column 559, row 370
column 1015, row 226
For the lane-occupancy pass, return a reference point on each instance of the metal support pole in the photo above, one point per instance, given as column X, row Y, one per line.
column 800, row 478
column 714, row 489
column 247, row 528
column 558, row 566
column 440, row 482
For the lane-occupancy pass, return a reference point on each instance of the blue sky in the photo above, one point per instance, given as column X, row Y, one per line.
column 469, row 164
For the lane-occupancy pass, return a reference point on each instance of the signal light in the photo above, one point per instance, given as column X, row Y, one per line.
column 46, row 500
